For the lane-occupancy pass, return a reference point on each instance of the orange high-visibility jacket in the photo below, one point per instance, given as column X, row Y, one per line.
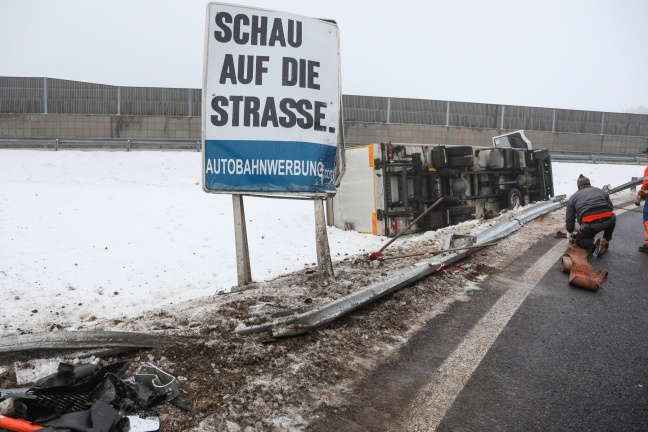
column 644, row 186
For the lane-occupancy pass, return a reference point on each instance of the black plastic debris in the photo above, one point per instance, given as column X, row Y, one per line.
column 84, row 399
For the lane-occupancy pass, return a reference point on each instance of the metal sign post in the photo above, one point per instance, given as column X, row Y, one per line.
column 243, row 269
column 272, row 112
column 324, row 263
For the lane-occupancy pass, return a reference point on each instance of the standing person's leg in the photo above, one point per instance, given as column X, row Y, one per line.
column 645, row 222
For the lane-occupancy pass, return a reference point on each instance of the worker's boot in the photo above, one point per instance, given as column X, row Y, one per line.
column 643, row 248
column 595, row 246
column 600, row 247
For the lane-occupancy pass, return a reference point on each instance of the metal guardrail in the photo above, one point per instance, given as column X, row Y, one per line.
column 302, row 321
column 585, row 157
column 98, row 144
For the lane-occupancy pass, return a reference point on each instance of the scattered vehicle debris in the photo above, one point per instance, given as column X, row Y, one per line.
column 82, row 398
column 304, row 321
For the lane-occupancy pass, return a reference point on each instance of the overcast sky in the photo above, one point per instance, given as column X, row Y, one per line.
column 577, row 54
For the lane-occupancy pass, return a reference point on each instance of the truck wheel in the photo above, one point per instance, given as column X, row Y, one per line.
column 445, row 172
column 460, row 218
column 462, row 210
column 460, row 161
column 459, row 151
column 439, row 157
column 513, row 199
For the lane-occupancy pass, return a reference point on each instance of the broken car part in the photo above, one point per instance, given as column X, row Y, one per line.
column 161, row 382
column 75, row 399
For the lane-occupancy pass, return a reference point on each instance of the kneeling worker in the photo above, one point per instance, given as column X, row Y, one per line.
column 592, row 208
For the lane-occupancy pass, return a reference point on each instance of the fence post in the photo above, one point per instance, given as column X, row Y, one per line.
column 553, row 123
column 502, row 120
column 128, row 145
column 189, row 99
column 118, row 100
column 447, row 113
column 388, row 110
column 56, row 143
column 45, row 95
column 602, row 122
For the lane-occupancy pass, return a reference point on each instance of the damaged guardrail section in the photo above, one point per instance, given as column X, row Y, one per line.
column 306, row 321
column 20, row 347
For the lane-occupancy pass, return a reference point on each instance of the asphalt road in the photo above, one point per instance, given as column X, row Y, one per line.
column 527, row 353
column 569, row 359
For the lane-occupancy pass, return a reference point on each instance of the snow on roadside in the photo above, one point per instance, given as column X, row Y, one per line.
column 96, row 235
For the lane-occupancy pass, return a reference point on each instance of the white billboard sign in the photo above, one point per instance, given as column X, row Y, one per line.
column 271, row 102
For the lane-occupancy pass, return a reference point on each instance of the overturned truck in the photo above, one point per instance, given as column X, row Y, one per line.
column 386, row 186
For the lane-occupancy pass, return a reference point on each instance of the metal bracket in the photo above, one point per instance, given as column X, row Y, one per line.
column 161, row 382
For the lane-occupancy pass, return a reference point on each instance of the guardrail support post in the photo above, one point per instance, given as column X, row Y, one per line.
column 128, row 145
column 56, row 143
column 197, row 146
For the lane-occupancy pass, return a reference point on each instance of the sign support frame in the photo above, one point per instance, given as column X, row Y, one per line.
column 243, row 269
column 324, row 262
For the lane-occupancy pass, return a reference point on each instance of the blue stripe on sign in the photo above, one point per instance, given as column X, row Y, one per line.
column 269, row 166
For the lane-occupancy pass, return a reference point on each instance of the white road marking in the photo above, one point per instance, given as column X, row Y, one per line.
column 436, row 397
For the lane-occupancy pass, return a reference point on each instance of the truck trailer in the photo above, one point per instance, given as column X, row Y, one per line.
column 388, row 185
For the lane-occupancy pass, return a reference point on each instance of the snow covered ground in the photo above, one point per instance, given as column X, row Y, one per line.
column 104, row 235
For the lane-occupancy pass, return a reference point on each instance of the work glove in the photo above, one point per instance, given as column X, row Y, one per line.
column 637, row 201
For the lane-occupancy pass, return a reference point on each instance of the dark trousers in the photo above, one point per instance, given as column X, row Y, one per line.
column 588, row 230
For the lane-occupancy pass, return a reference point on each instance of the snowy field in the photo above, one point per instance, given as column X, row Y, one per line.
column 105, row 235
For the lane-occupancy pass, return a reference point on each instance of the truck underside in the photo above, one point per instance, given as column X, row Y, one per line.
column 387, row 186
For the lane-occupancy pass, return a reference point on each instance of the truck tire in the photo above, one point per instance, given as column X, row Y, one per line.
column 462, row 210
column 460, row 161
column 512, row 198
column 459, row 151
column 460, row 218
column 433, row 220
column 439, row 157
column 445, row 172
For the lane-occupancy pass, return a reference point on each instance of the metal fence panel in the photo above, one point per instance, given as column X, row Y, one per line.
column 153, row 101
column 473, row 115
column 74, row 97
column 365, row 109
column 418, row 111
column 576, row 121
column 626, row 124
column 21, row 95
column 528, row 118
